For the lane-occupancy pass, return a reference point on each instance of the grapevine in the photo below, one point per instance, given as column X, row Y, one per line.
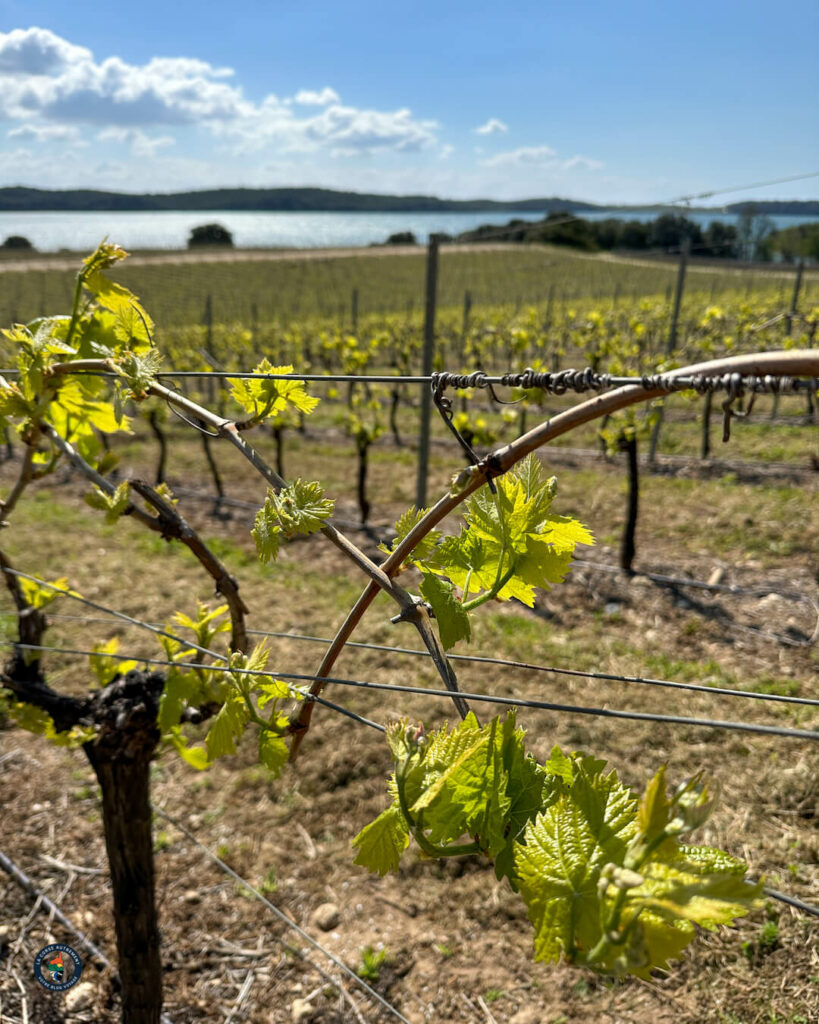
column 605, row 878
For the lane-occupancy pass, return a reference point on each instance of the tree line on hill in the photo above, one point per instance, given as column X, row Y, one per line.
column 754, row 236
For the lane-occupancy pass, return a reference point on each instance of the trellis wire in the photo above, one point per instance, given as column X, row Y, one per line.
column 716, row 691
column 557, row 383
column 112, row 611
column 521, row 702
column 774, row 894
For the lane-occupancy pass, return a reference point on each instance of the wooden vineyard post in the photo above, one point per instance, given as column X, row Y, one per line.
column 628, row 545
column 465, row 326
column 797, row 285
column 671, row 344
column 426, row 370
column 207, row 323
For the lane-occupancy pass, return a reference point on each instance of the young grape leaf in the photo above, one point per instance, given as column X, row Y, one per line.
column 299, row 508
column 273, row 690
column 452, row 619
column 182, row 688
column 559, row 862
column 696, row 891
column 560, row 765
column 106, row 668
column 655, row 808
column 267, row 532
column 132, row 323
column 196, row 757
column 227, row 727
column 267, row 398
column 273, row 751
column 470, row 795
column 407, row 521
column 527, row 786
column 113, row 505
column 39, row 596
column 381, row 843
column 104, row 256
column 302, row 507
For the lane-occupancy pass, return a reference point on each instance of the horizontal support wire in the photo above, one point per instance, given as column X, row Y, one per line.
column 519, row 702
column 772, row 893
column 165, row 662
column 157, row 630
column 557, row 383
column 716, row 691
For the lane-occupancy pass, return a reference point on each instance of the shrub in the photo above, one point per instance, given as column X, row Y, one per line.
column 16, row 242
column 402, row 238
column 210, row 234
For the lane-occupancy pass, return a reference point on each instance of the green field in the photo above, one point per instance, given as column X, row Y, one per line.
column 282, row 288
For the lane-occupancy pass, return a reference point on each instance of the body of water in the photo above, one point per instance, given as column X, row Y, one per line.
column 51, row 231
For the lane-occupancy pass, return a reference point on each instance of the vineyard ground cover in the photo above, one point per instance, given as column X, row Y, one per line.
column 303, row 284
column 451, row 931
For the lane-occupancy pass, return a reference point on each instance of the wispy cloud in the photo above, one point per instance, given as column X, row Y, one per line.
column 141, row 144
column 492, row 127
column 582, row 161
column 45, row 132
column 543, row 157
column 523, row 155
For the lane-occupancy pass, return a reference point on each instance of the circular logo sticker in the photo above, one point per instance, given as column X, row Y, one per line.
column 57, row 967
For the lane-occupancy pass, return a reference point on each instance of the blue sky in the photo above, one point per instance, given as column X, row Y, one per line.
column 611, row 102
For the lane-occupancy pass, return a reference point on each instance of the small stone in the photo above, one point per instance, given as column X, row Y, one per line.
column 717, row 576
column 769, row 603
column 192, row 896
column 326, row 917
column 612, row 608
column 300, row 1011
column 5, row 935
column 81, row 997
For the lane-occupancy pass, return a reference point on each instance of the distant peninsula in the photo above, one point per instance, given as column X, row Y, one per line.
column 19, row 199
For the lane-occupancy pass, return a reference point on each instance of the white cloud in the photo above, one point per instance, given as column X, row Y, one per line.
column 309, row 98
column 349, row 130
column 492, row 127
column 524, row 155
column 45, row 80
column 36, row 51
column 45, row 132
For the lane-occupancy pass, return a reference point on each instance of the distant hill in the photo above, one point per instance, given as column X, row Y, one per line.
column 21, row 199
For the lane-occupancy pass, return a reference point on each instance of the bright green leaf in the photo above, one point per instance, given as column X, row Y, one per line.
column 452, row 619
column 381, row 843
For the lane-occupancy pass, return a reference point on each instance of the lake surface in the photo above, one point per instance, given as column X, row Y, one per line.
column 52, row 231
